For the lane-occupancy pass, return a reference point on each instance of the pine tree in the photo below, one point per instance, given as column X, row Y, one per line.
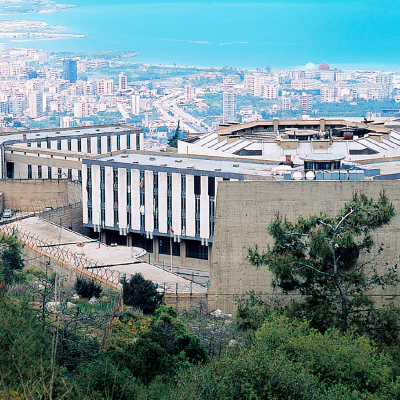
column 318, row 258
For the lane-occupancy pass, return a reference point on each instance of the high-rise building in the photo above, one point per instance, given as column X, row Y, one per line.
column 81, row 110
column 285, row 103
column 135, row 104
column 229, row 106
column 105, row 86
column 70, row 70
column 253, row 84
column 35, row 101
column 306, row 101
column 189, row 93
column 122, row 82
column 270, row 91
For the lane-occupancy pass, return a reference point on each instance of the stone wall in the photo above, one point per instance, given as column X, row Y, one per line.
column 244, row 209
column 33, row 195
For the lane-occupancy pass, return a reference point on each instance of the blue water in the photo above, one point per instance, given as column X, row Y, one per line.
column 239, row 34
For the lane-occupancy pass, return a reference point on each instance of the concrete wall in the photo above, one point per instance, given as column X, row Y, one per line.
column 244, row 209
column 69, row 217
column 35, row 195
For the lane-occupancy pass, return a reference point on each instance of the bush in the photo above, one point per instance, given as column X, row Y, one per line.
column 87, row 289
column 141, row 293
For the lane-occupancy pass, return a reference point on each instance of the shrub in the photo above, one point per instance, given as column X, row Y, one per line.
column 87, row 289
column 141, row 293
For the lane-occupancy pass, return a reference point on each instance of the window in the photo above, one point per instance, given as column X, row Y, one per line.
column 138, row 141
column 39, row 172
column 197, row 227
column 165, row 247
column 115, row 177
column 108, row 144
column 194, row 249
column 115, row 197
column 58, row 144
column 69, row 145
column 102, row 196
column 79, row 145
column 128, row 141
column 118, row 142
column 155, row 180
column 29, row 171
column 70, row 174
column 48, row 172
column 197, row 185
column 211, row 186
column 59, row 173
column 79, row 175
column 29, row 144
column 102, row 175
column 115, row 217
column 183, row 183
column 183, row 225
column 103, row 215
column 128, row 178
column 90, row 217
column 169, row 182
column 89, row 174
column 89, row 145
column 99, row 145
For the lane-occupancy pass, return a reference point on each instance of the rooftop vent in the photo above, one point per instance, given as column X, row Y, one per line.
column 110, row 159
column 191, row 167
column 178, row 160
column 58, row 132
column 38, row 134
column 77, row 131
column 152, row 158
column 218, row 169
column 124, row 156
column 236, row 165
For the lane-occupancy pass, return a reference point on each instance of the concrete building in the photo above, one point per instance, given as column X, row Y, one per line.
column 81, row 110
column 122, row 82
column 229, row 106
column 35, row 104
column 189, row 93
column 145, row 199
column 70, row 70
column 244, row 210
column 277, row 139
column 135, row 104
column 306, row 101
column 58, row 153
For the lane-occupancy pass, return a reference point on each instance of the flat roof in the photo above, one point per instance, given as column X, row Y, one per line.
column 217, row 165
column 322, row 157
column 63, row 132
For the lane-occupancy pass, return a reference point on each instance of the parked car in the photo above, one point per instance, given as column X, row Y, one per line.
column 8, row 213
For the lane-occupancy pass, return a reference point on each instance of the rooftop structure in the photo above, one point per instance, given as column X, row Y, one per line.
column 275, row 140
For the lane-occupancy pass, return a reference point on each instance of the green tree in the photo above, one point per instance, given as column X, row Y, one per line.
column 318, row 258
column 11, row 258
column 154, row 346
column 141, row 293
column 173, row 140
column 290, row 360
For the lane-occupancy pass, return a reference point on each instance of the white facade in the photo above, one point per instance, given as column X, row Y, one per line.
column 135, row 104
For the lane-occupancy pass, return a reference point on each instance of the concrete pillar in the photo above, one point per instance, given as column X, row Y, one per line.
column 322, row 124
column 276, row 124
column 156, row 255
column 183, row 252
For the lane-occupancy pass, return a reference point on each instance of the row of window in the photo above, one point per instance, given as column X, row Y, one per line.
column 89, row 142
column 49, row 173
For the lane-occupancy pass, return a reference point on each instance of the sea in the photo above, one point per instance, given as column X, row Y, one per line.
column 211, row 33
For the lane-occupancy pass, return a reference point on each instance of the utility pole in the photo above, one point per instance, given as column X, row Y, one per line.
column 170, row 246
